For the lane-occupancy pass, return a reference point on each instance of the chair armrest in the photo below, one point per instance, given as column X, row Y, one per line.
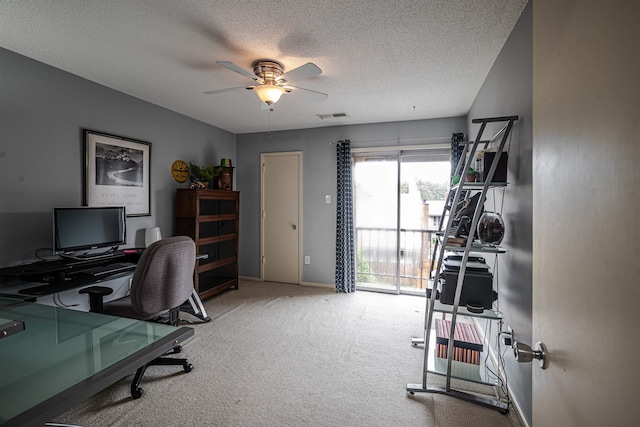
column 96, row 297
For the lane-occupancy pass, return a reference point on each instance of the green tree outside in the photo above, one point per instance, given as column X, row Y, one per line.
column 432, row 190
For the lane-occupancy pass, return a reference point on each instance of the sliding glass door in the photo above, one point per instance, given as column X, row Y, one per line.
column 399, row 196
column 375, row 189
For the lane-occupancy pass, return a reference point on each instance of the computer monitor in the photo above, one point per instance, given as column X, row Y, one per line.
column 87, row 228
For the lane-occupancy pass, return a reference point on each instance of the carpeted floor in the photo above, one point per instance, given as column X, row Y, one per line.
column 286, row 355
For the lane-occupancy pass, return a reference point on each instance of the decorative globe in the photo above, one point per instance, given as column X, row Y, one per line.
column 490, row 228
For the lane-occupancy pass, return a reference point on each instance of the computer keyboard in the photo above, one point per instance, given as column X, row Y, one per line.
column 112, row 268
column 85, row 258
column 49, row 288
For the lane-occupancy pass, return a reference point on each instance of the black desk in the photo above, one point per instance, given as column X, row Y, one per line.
column 59, row 281
column 62, row 357
column 64, row 269
column 67, row 273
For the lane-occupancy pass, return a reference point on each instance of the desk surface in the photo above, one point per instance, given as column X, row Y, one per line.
column 32, row 270
column 58, row 275
column 63, row 357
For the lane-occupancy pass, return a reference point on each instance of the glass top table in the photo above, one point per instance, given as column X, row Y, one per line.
column 63, row 356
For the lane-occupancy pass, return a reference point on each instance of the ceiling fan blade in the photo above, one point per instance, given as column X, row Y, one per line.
column 230, row 89
column 312, row 94
column 302, row 72
column 233, row 67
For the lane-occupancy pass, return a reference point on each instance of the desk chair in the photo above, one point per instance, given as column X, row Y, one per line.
column 162, row 282
column 194, row 304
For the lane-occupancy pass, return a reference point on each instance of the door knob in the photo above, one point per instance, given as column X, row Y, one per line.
column 293, row 226
column 525, row 354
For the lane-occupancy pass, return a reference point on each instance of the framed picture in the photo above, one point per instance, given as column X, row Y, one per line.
column 117, row 172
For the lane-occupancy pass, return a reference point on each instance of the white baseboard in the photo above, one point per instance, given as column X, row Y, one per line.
column 318, row 285
column 312, row 284
column 250, row 279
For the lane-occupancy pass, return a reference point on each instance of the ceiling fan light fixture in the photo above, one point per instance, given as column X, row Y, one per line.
column 269, row 93
column 271, row 81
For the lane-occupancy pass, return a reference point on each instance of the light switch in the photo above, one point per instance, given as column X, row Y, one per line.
column 327, row 199
column 307, row 259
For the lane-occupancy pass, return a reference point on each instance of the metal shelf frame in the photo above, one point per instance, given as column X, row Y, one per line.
column 432, row 306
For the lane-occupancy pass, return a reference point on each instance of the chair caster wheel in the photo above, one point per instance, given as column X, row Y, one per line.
column 177, row 349
column 411, row 393
column 188, row 367
column 137, row 393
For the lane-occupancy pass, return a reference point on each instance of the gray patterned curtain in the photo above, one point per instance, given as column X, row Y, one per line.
column 456, row 153
column 456, row 150
column 345, row 247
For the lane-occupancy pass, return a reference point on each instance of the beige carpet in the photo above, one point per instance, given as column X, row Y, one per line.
column 285, row 355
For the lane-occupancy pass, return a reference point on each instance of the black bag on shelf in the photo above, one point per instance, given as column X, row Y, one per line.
column 462, row 217
column 467, row 207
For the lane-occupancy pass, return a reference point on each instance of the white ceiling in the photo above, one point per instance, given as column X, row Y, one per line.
column 382, row 60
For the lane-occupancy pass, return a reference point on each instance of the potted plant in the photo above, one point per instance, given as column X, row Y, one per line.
column 471, row 175
column 201, row 175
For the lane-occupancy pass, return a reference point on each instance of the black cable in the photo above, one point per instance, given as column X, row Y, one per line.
column 501, row 375
column 37, row 254
column 58, row 302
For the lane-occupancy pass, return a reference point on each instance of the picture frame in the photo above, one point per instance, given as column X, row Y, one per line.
column 117, row 172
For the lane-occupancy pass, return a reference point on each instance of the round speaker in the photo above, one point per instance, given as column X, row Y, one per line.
column 152, row 235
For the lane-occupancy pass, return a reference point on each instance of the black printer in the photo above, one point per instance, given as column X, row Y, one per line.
column 477, row 287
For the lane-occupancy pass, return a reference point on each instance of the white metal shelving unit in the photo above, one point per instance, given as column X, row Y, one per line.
column 448, row 367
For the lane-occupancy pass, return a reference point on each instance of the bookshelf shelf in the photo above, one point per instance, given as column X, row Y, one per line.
column 211, row 219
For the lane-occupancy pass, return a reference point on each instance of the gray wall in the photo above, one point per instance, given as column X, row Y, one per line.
column 508, row 90
column 319, row 178
column 42, row 113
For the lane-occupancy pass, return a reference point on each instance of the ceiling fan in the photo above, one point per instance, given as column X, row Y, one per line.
column 272, row 81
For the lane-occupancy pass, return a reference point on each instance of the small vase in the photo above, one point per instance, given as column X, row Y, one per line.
column 491, row 228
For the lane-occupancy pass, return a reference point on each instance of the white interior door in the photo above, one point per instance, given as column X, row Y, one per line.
column 586, row 204
column 281, row 228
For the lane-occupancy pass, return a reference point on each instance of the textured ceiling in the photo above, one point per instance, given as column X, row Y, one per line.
column 381, row 60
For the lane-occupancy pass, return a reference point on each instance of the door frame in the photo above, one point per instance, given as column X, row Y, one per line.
column 263, row 156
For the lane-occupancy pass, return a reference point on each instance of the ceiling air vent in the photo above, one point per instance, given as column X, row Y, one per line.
column 331, row 116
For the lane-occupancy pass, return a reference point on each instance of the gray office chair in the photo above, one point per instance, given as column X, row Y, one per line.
column 162, row 282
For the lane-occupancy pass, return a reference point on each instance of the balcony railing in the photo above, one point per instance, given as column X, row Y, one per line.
column 377, row 256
